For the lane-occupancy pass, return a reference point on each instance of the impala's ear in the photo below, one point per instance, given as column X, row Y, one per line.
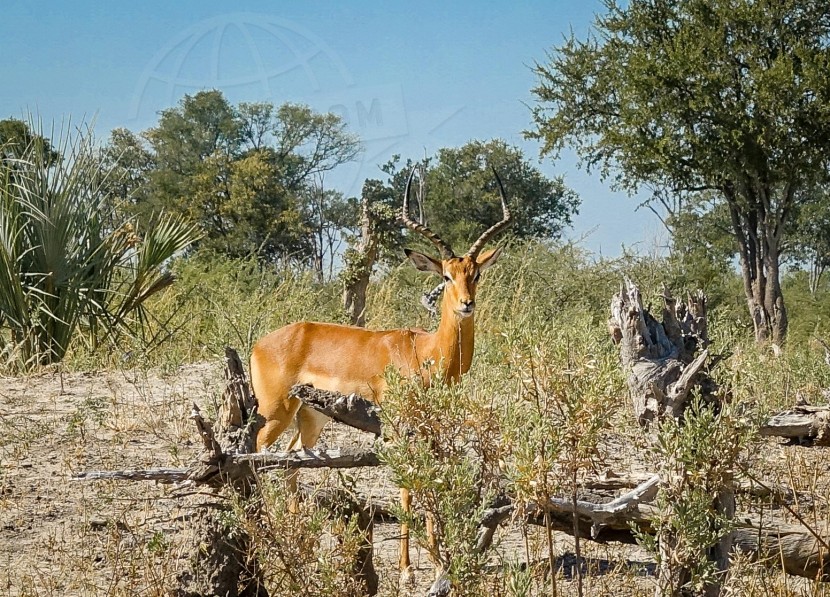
column 425, row 263
column 488, row 258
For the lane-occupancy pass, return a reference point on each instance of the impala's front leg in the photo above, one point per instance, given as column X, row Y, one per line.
column 405, row 565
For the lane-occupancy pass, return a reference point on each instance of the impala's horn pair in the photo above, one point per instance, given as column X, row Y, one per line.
column 443, row 247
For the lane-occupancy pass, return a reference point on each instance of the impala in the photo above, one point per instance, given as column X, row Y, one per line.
column 350, row 359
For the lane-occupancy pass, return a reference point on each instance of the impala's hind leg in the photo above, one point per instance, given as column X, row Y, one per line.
column 310, row 425
column 404, row 564
column 277, row 420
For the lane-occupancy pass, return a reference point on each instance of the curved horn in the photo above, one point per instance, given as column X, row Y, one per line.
column 443, row 247
column 495, row 228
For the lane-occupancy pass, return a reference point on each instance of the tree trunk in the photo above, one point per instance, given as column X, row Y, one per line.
column 758, row 228
column 354, row 297
column 220, row 563
column 359, row 266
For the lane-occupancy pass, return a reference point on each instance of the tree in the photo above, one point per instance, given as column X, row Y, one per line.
column 461, row 195
column 129, row 163
column 328, row 215
column 811, row 243
column 243, row 173
column 702, row 248
column 456, row 194
column 18, row 139
column 684, row 96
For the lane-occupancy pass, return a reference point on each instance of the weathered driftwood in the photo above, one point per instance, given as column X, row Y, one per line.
column 660, row 356
column 663, row 367
column 804, row 424
column 352, row 410
column 240, row 467
column 220, row 562
column 162, row 475
column 791, row 548
column 771, row 494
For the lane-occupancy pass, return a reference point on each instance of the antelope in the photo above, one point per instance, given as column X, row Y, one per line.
column 350, row 359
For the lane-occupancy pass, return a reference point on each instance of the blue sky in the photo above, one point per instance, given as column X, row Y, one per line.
column 409, row 78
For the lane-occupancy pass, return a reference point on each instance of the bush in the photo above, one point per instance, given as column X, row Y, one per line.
column 66, row 260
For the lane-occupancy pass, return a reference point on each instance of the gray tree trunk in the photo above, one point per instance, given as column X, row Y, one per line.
column 359, row 268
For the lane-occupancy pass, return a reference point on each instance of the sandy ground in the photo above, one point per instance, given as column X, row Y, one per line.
column 60, row 536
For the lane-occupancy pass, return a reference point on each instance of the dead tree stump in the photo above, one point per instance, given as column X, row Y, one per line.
column 663, row 367
column 221, row 562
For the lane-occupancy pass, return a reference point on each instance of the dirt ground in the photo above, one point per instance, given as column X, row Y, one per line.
column 60, row 536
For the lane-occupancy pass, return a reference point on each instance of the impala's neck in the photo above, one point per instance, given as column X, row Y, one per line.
column 454, row 342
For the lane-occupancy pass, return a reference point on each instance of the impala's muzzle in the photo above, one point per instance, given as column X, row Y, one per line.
column 466, row 308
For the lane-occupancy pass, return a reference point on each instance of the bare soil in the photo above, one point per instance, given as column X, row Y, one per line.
column 60, row 536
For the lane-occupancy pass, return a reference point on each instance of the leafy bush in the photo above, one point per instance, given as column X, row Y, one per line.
column 66, row 260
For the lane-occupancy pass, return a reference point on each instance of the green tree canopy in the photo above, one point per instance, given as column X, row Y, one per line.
column 242, row 173
column 462, row 197
column 726, row 96
column 457, row 195
column 17, row 139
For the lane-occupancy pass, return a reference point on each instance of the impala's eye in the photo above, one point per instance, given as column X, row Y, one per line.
column 447, row 279
column 477, row 276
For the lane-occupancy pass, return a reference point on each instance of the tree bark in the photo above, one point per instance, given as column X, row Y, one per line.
column 803, row 424
column 757, row 224
column 359, row 268
column 220, row 563
column 352, row 410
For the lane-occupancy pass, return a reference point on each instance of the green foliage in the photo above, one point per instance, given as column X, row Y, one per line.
column 18, row 139
column 308, row 552
column 440, row 446
column 458, row 196
column 567, row 377
column 219, row 302
column 66, row 260
column 702, row 451
column 242, row 173
column 462, row 197
column 684, row 96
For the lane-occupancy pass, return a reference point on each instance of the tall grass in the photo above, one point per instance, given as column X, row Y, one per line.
column 543, row 408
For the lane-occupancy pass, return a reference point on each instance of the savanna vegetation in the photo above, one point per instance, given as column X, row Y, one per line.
column 127, row 267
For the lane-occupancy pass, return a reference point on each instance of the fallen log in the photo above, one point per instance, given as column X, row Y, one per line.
column 352, row 410
column 239, row 466
column 806, row 425
column 791, row 548
column 770, row 493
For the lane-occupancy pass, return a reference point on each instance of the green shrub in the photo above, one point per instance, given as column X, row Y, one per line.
column 67, row 261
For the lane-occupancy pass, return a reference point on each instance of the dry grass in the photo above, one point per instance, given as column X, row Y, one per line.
column 64, row 537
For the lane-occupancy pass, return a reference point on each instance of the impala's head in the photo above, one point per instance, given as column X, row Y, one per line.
column 460, row 274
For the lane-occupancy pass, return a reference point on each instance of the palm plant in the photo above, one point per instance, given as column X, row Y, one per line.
column 67, row 258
